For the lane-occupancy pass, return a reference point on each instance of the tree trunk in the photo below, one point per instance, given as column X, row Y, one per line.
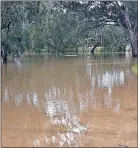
column 134, row 44
column 92, row 51
column 132, row 33
column 4, row 56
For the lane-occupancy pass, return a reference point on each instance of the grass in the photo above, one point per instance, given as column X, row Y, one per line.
column 135, row 69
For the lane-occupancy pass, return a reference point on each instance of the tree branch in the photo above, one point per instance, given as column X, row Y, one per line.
column 8, row 27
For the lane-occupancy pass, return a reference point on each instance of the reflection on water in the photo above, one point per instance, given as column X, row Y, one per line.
column 62, row 89
column 54, row 100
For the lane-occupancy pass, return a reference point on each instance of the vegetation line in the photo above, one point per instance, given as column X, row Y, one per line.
column 68, row 26
column 110, row 63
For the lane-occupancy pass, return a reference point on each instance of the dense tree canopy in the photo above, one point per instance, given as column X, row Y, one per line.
column 103, row 12
column 58, row 27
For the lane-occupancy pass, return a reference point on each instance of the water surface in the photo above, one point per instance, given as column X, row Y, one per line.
column 43, row 98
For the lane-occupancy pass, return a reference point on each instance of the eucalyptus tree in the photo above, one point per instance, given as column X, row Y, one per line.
column 114, row 38
column 15, row 15
column 62, row 26
column 57, row 31
column 35, row 25
column 99, row 13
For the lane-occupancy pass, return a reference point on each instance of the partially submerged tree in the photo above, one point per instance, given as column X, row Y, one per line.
column 63, row 26
column 108, row 12
column 15, row 15
column 33, row 26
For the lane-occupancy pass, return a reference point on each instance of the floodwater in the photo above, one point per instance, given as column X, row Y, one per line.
column 69, row 101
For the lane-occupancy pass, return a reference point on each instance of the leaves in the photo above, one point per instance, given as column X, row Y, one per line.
column 61, row 26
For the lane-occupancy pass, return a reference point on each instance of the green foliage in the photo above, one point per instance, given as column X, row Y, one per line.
column 63, row 26
column 57, row 32
column 96, row 14
column 114, row 38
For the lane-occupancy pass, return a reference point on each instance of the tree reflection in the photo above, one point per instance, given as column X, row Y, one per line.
column 62, row 90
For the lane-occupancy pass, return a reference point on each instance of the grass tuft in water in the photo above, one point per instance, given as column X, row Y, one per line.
column 135, row 69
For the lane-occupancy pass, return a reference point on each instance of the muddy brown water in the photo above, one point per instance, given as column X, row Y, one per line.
column 44, row 98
